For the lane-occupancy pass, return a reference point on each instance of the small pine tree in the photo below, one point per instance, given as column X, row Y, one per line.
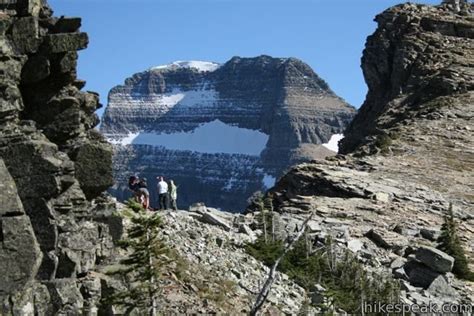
column 265, row 219
column 142, row 267
column 450, row 243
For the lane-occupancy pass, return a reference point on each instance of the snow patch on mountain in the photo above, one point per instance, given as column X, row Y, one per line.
column 201, row 66
column 212, row 137
column 333, row 142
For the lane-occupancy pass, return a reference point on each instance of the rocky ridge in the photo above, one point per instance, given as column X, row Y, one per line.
column 408, row 156
column 156, row 118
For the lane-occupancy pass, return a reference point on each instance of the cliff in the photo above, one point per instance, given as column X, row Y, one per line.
column 408, row 154
column 55, row 225
column 221, row 131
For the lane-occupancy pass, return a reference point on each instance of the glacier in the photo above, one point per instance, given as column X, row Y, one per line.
column 333, row 142
column 212, row 137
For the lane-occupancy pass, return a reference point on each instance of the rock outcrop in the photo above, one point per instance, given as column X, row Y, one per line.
column 221, row 131
column 55, row 224
column 409, row 155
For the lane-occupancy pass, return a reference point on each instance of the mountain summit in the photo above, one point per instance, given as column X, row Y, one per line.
column 221, row 131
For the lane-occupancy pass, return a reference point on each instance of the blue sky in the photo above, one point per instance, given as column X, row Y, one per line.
column 128, row 36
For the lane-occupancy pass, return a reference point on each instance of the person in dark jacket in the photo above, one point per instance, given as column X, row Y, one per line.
column 133, row 185
column 144, row 193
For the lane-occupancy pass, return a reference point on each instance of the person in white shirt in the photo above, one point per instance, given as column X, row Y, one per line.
column 162, row 193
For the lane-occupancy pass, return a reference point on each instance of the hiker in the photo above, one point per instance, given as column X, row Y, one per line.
column 133, row 186
column 144, row 194
column 173, row 192
column 162, row 193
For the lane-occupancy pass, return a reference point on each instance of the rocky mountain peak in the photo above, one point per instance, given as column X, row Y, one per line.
column 256, row 116
column 408, row 155
column 417, row 60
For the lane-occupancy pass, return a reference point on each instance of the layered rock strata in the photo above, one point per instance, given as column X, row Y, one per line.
column 221, row 131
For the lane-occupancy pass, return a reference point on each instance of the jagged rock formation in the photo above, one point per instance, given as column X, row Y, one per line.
column 222, row 131
column 55, row 226
column 409, row 154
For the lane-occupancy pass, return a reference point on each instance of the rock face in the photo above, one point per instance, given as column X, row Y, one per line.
column 409, row 155
column 221, row 131
column 54, row 222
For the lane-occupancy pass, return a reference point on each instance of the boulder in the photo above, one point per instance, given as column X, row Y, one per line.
column 440, row 288
column 25, row 35
column 245, row 229
column 355, row 245
column 213, row 219
column 199, row 208
column 382, row 197
column 435, row 259
column 9, row 200
column 66, row 25
column 65, row 296
column 62, row 43
column 313, row 226
column 10, row 101
column 397, row 263
column 387, row 239
column 94, row 167
column 430, row 234
column 20, row 255
column 420, row 275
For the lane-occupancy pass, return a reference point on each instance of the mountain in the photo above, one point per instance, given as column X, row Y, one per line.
column 221, row 132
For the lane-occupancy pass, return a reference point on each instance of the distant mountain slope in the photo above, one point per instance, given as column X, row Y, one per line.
column 221, row 131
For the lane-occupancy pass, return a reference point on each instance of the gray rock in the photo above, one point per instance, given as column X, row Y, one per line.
column 25, row 35
column 398, row 263
column 387, row 239
column 382, row 197
column 430, row 234
column 440, row 288
column 94, row 167
column 20, row 255
column 435, row 259
column 216, row 220
column 400, row 273
column 420, row 275
column 66, row 296
column 199, row 208
column 355, row 245
column 62, row 43
column 407, row 230
column 314, row 226
column 245, row 229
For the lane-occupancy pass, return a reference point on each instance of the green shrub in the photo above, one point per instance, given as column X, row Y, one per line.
column 345, row 279
column 142, row 267
column 383, row 142
column 450, row 243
